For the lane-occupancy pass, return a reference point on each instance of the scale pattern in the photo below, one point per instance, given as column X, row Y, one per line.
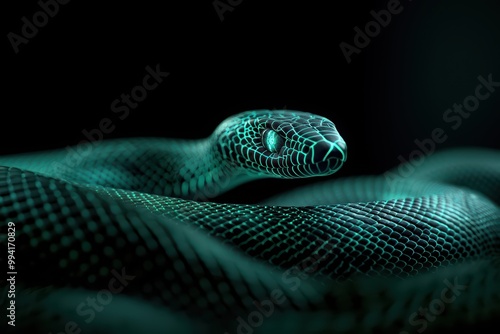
column 309, row 145
column 400, row 237
column 365, row 260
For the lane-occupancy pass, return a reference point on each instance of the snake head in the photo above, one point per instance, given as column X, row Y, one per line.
column 281, row 143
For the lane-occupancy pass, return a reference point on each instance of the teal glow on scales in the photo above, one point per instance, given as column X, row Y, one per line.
column 199, row 266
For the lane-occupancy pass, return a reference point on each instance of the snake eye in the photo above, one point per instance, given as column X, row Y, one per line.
column 272, row 141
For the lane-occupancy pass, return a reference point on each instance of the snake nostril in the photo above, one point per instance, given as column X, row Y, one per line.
column 327, row 150
column 340, row 150
column 321, row 151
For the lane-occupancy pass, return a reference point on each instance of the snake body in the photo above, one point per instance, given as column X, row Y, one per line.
column 358, row 254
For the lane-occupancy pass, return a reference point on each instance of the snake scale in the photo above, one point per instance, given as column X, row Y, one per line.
column 124, row 238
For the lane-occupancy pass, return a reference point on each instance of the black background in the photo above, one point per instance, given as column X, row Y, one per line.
column 261, row 56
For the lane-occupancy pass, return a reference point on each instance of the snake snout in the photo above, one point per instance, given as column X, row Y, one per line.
column 326, row 150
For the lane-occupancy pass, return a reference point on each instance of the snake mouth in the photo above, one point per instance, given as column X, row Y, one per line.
column 328, row 166
column 322, row 168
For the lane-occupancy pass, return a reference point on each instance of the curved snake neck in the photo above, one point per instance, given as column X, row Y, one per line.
column 235, row 153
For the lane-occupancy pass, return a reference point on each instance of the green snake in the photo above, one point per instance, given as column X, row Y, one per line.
column 123, row 236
